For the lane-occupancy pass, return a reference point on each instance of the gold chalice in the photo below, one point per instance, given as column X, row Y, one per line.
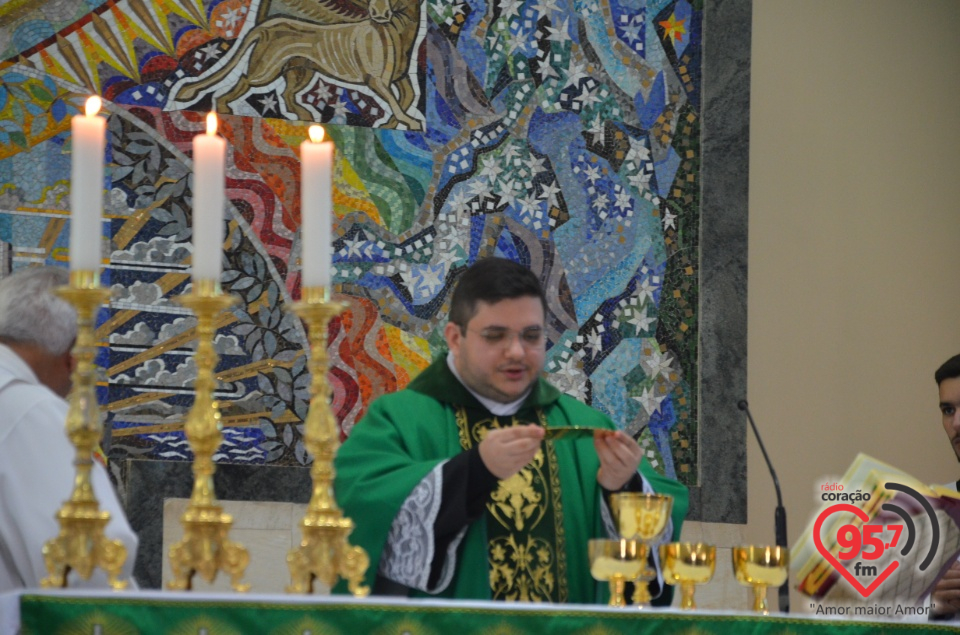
column 687, row 564
column 761, row 567
column 641, row 517
column 616, row 561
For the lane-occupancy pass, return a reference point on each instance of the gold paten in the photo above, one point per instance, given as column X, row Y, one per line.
column 205, row 548
column 81, row 545
column 557, row 433
column 324, row 552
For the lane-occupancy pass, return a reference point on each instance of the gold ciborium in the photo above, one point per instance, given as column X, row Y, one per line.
column 641, row 517
column 760, row 567
column 688, row 565
column 617, row 562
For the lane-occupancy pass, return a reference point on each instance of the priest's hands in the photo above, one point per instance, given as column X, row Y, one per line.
column 507, row 450
column 946, row 594
column 619, row 458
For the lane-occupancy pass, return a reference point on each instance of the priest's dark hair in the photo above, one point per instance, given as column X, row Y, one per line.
column 491, row 280
column 950, row 369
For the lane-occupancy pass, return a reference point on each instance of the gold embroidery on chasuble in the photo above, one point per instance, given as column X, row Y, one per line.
column 526, row 550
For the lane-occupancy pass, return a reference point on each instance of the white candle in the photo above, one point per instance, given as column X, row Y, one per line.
column 316, row 204
column 209, row 153
column 86, row 187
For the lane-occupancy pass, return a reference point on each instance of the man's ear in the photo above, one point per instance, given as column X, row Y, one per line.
column 452, row 334
column 68, row 359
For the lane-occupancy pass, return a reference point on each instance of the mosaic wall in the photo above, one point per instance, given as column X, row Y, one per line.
column 563, row 134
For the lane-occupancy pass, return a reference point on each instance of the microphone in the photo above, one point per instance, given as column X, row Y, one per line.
column 780, row 515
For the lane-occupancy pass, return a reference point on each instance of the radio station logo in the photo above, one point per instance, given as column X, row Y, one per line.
column 863, row 545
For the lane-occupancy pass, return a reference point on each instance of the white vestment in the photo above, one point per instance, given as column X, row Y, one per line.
column 36, row 477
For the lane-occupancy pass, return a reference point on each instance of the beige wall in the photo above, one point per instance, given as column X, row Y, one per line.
column 854, row 263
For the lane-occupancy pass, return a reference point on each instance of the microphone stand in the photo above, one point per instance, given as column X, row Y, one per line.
column 780, row 515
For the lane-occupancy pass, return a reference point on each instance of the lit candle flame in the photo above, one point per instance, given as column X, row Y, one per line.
column 211, row 123
column 93, row 106
column 316, row 133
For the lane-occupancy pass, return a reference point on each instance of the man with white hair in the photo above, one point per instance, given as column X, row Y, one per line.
column 37, row 332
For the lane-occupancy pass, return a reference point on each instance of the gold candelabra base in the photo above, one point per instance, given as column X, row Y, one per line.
column 324, row 553
column 205, row 548
column 81, row 545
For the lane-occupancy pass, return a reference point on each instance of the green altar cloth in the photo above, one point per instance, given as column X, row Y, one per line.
column 167, row 613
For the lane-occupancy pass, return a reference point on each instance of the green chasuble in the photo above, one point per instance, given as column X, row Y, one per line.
column 406, row 434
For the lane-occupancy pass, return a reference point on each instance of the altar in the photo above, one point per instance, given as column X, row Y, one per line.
column 36, row 612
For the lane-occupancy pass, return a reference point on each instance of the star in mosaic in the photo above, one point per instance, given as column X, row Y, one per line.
column 658, row 364
column 649, row 400
column 674, row 28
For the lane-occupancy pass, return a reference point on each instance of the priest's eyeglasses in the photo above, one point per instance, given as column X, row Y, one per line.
column 530, row 337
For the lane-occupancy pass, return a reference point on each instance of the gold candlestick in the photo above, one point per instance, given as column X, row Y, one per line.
column 81, row 544
column 204, row 548
column 324, row 551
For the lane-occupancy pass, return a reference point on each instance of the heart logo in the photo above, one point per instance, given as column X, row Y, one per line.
column 862, row 515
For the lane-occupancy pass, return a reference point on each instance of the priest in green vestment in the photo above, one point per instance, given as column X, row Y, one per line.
column 454, row 490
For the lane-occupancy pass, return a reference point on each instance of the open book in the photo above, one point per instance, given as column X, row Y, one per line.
column 884, row 539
